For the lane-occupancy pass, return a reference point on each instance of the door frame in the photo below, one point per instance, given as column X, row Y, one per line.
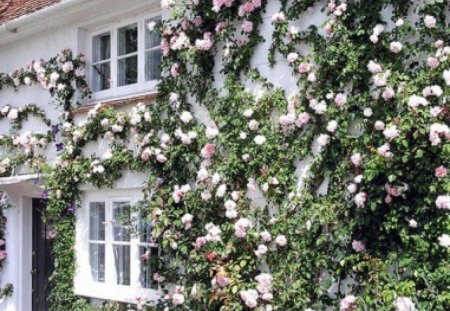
column 26, row 251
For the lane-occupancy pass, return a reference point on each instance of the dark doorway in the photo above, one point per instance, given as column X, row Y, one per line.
column 42, row 258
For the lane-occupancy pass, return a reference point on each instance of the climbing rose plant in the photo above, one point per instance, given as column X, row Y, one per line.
column 336, row 196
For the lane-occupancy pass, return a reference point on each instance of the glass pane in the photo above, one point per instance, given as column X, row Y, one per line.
column 101, row 76
column 152, row 38
column 122, row 221
column 97, row 261
column 145, row 227
column 127, row 39
column 96, row 221
column 127, row 71
column 152, row 65
column 149, row 258
column 122, row 263
column 101, row 47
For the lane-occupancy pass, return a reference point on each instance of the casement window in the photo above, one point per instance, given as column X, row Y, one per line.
column 113, row 234
column 125, row 58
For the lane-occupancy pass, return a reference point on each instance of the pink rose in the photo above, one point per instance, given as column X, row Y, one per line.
column 433, row 62
column 174, row 70
column 340, row 99
column 247, row 26
column 2, row 255
column 396, row 47
column 200, row 242
column 304, row 68
column 208, row 151
column 222, row 280
column 388, row 199
column 358, row 246
column 440, row 172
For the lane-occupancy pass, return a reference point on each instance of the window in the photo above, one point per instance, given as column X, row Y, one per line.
column 115, row 254
column 126, row 59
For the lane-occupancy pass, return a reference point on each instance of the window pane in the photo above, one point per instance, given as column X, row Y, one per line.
column 101, row 77
column 101, row 47
column 122, row 263
column 127, row 39
column 152, row 38
column 127, row 71
column 97, row 261
column 96, row 221
column 152, row 65
column 145, row 227
column 122, row 221
column 148, row 261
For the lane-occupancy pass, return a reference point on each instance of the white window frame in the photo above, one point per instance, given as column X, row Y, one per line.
column 109, row 290
column 116, row 92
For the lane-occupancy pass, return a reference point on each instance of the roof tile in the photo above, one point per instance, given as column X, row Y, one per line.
column 12, row 9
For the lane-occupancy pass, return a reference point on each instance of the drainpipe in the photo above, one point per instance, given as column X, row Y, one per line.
column 14, row 25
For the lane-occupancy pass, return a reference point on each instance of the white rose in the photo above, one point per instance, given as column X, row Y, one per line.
column 13, row 114
column 186, row 117
column 404, row 304
column 260, row 139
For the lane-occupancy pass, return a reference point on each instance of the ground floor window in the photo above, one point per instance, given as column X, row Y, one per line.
column 115, row 251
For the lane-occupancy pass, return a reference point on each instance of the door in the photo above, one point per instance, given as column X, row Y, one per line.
column 42, row 266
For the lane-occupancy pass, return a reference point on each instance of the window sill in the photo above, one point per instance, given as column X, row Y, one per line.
column 117, row 101
column 119, row 293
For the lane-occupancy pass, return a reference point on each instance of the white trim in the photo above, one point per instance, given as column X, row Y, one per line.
column 11, row 26
column 17, row 179
column 26, row 253
column 116, row 91
column 108, row 290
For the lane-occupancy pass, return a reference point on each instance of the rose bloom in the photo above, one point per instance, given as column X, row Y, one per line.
column 388, row 93
column 368, row 112
column 208, row 151
column 443, row 202
column 379, row 125
column 292, row 57
column 340, row 99
column 358, row 246
column 446, row 76
column 444, row 240
column 304, row 68
column 177, row 299
column 347, row 303
column 261, row 251
column 281, row 240
column 332, row 126
column 259, row 139
column 433, row 62
column 374, row 67
column 440, row 172
column 248, row 113
column 356, row 159
column 429, row 21
column 404, row 304
column 396, row 47
column 266, row 236
column 412, row 223
column 351, row 188
column 247, row 26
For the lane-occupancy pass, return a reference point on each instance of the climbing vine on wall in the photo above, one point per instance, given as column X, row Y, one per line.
column 365, row 226
column 7, row 289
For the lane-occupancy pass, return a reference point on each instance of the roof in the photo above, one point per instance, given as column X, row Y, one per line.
column 12, row 9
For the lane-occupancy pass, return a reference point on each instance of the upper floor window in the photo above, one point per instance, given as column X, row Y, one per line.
column 125, row 58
